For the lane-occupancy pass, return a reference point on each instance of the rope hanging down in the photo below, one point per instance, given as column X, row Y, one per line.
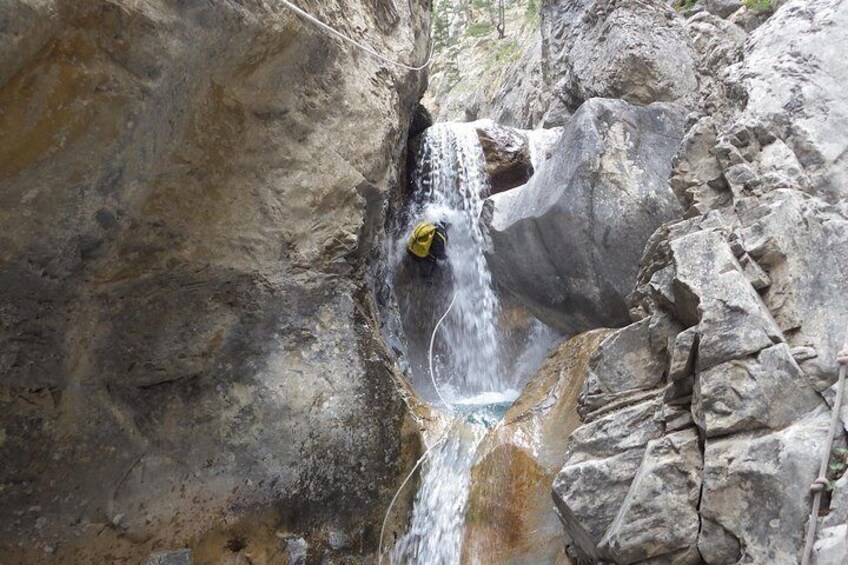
column 332, row 31
column 820, row 483
column 429, row 449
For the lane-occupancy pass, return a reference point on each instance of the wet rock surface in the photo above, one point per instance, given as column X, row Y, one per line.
column 507, row 154
column 188, row 196
column 510, row 518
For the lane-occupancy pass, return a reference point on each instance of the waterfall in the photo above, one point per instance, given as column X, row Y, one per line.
column 450, row 184
column 437, row 526
column 474, row 369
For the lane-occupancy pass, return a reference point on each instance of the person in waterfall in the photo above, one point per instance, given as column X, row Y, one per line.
column 427, row 246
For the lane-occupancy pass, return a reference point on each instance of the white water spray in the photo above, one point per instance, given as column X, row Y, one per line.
column 462, row 359
column 450, row 186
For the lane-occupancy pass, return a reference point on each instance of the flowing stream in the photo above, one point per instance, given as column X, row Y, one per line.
column 471, row 373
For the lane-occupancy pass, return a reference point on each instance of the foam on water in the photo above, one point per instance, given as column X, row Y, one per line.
column 451, row 183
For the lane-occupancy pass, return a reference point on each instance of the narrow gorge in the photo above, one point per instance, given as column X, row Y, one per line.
column 221, row 343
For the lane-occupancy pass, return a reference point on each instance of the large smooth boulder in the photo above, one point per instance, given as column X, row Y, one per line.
column 188, row 193
column 507, row 154
column 637, row 51
column 568, row 244
column 510, row 518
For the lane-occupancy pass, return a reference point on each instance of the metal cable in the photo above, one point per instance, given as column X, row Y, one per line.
column 332, row 31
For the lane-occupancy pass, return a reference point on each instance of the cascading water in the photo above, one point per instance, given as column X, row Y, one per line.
column 450, row 184
column 472, row 371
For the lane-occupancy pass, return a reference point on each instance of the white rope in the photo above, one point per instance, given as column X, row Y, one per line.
column 431, row 448
column 432, row 340
column 332, row 31
column 409, row 476
column 820, row 483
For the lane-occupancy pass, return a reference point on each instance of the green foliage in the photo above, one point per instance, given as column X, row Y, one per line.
column 837, row 467
column 759, row 5
column 479, row 29
column 506, row 53
column 531, row 12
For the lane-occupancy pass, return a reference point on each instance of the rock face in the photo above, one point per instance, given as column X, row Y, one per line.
column 507, row 153
column 704, row 420
column 568, row 244
column 634, row 50
column 478, row 74
column 510, row 518
column 188, row 193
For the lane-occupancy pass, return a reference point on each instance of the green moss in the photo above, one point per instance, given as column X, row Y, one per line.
column 759, row 5
column 479, row 29
column 531, row 12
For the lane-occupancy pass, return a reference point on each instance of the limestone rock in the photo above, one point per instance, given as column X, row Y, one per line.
column 507, row 154
column 682, row 362
column 756, row 492
column 590, row 495
column 838, row 504
column 751, row 273
column 179, row 557
column 477, row 74
column 636, row 51
column 659, row 516
column 832, row 546
column 770, row 391
column 297, row 550
column 722, row 8
column 188, row 193
column 568, row 243
column 626, row 361
column 786, row 235
column 603, row 437
column 794, row 77
column 711, row 289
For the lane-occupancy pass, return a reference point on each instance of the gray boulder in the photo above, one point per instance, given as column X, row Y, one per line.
column 637, row 51
column 659, row 516
column 794, row 74
column 568, row 243
column 756, row 492
column 722, row 8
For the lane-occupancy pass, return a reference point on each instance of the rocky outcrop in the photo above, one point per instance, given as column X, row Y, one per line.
column 188, row 195
column 634, row 50
column 703, row 421
column 478, row 74
column 507, row 154
column 568, row 244
column 510, row 518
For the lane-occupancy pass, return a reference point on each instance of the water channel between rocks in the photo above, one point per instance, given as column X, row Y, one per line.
column 477, row 374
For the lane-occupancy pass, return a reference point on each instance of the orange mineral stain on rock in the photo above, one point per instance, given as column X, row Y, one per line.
column 510, row 515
